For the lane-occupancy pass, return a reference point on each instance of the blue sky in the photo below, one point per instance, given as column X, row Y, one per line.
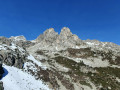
column 89, row 19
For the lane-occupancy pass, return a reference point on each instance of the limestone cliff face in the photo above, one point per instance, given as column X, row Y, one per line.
column 49, row 36
column 63, row 40
column 67, row 39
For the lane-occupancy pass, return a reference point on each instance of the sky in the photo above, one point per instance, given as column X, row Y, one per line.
column 89, row 19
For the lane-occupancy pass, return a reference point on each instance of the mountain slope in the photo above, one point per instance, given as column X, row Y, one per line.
column 60, row 62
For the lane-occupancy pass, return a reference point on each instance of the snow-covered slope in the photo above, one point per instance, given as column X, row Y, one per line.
column 16, row 79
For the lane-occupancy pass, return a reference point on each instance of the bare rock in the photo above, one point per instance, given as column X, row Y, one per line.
column 5, row 40
column 67, row 39
column 48, row 36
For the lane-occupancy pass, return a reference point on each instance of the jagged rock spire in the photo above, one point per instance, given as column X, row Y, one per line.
column 49, row 35
column 65, row 39
column 50, row 30
column 65, row 31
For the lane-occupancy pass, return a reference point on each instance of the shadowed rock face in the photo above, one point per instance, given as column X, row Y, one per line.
column 1, row 73
column 11, row 53
column 13, row 58
column 1, row 69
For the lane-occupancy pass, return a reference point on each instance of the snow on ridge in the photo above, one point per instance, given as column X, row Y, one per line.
column 16, row 79
column 3, row 47
column 30, row 57
column 18, row 38
column 12, row 47
column 92, row 43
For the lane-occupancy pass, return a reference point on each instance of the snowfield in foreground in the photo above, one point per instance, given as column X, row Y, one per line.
column 16, row 79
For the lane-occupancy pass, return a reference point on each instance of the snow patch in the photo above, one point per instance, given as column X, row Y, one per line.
column 30, row 57
column 115, row 66
column 118, row 79
column 18, row 38
column 13, row 46
column 3, row 47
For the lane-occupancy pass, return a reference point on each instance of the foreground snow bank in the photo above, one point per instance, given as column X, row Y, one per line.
column 16, row 79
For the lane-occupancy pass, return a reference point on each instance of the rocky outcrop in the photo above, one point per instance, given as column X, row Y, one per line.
column 102, row 45
column 13, row 55
column 67, row 39
column 49, row 36
column 4, row 40
column 24, row 44
column 1, row 86
column 13, row 58
column 21, row 41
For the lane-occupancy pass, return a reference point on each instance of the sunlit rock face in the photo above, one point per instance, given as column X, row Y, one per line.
column 48, row 36
column 67, row 39
column 63, row 40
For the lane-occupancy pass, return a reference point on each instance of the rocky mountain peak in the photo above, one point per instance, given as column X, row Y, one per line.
column 65, row 31
column 62, row 62
column 64, row 39
column 49, row 30
column 49, row 35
